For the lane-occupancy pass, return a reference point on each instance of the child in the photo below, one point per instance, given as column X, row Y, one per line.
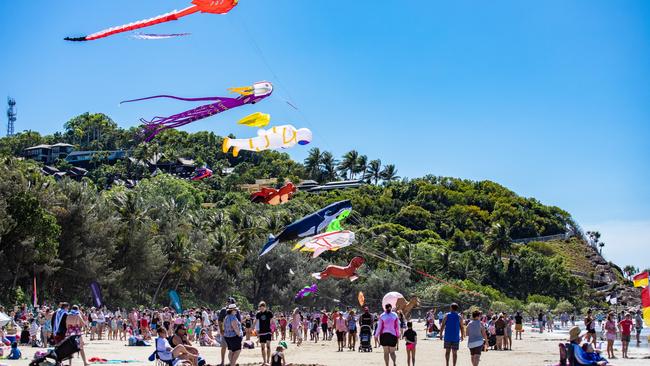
column 278, row 357
column 592, row 355
column 315, row 327
column 411, row 340
column 34, row 330
column 15, row 352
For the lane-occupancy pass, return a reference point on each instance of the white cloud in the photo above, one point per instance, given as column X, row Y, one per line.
column 626, row 242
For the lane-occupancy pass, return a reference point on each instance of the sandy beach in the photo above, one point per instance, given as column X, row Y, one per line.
column 534, row 349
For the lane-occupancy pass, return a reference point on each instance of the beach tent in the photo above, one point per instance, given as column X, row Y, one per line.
column 4, row 319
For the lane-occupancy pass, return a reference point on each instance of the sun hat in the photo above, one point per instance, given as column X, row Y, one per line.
column 575, row 333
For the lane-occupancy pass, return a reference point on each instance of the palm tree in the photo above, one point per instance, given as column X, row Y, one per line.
column 362, row 166
column 594, row 236
column 601, row 245
column 630, row 271
column 374, row 171
column 349, row 163
column 498, row 239
column 389, row 173
column 328, row 167
column 312, row 163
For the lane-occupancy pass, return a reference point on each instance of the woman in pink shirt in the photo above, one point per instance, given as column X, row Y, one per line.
column 341, row 328
column 388, row 332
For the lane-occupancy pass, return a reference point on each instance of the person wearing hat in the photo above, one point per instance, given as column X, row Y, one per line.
column 581, row 356
column 233, row 333
column 220, row 320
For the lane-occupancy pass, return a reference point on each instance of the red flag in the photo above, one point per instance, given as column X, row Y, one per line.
column 645, row 297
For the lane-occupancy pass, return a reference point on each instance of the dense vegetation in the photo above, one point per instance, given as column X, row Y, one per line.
column 138, row 243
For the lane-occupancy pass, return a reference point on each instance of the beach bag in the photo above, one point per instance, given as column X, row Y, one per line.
column 152, row 358
column 132, row 341
column 249, row 345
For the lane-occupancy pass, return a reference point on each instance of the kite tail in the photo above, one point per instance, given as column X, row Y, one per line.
column 172, row 97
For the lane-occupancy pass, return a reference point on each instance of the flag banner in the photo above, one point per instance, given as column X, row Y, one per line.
column 35, row 292
column 97, row 294
column 640, row 279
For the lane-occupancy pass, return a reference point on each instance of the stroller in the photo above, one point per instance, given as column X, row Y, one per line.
column 365, row 339
column 61, row 352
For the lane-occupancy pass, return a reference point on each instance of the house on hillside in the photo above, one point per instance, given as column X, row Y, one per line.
column 83, row 158
column 48, row 154
column 313, row 187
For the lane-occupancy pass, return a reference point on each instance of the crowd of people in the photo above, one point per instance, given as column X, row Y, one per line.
column 176, row 335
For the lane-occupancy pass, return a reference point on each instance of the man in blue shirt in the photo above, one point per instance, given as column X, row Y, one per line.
column 453, row 333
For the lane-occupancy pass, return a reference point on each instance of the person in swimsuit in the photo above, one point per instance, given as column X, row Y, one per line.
column 278, row 357
column 610, row 333
column 75, row 324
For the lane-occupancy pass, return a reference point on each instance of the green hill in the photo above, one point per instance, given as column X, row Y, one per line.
column 443, row 239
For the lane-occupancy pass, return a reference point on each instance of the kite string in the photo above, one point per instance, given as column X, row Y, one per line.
column 290, row 100
column 386, row 258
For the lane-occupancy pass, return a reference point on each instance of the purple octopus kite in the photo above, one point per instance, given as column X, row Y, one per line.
column 248, row 95
column 306, row 291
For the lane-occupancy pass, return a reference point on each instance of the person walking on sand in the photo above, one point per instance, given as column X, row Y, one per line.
column 388, row 333
column 590, row 325
column 625, row 327
column 341, row 329
column 610, row 331
column 638, row 320
column 519, row 326
column 233, row 334
column 477, row 338
column 295, row 324
column 263, row 320
column 411, row 338
column 453, row 333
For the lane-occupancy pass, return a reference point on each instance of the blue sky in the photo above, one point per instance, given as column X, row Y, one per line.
column 549, row 98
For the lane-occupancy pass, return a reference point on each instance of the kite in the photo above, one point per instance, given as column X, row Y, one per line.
column 268, row 267
column 272, row 196
column 291, row 272
column 97, row 294
column 203, row 6
column 361, row 298
column 306, row 291
column 391, row 298
column 150, row 36
column 333, row 239
column 321, row 243
column 202, row 173
column 248, row 95
column 175, row 301
column 309, row 225
column 335, row 225
column 349, row 271
column 279, row 137
column 256, row 120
